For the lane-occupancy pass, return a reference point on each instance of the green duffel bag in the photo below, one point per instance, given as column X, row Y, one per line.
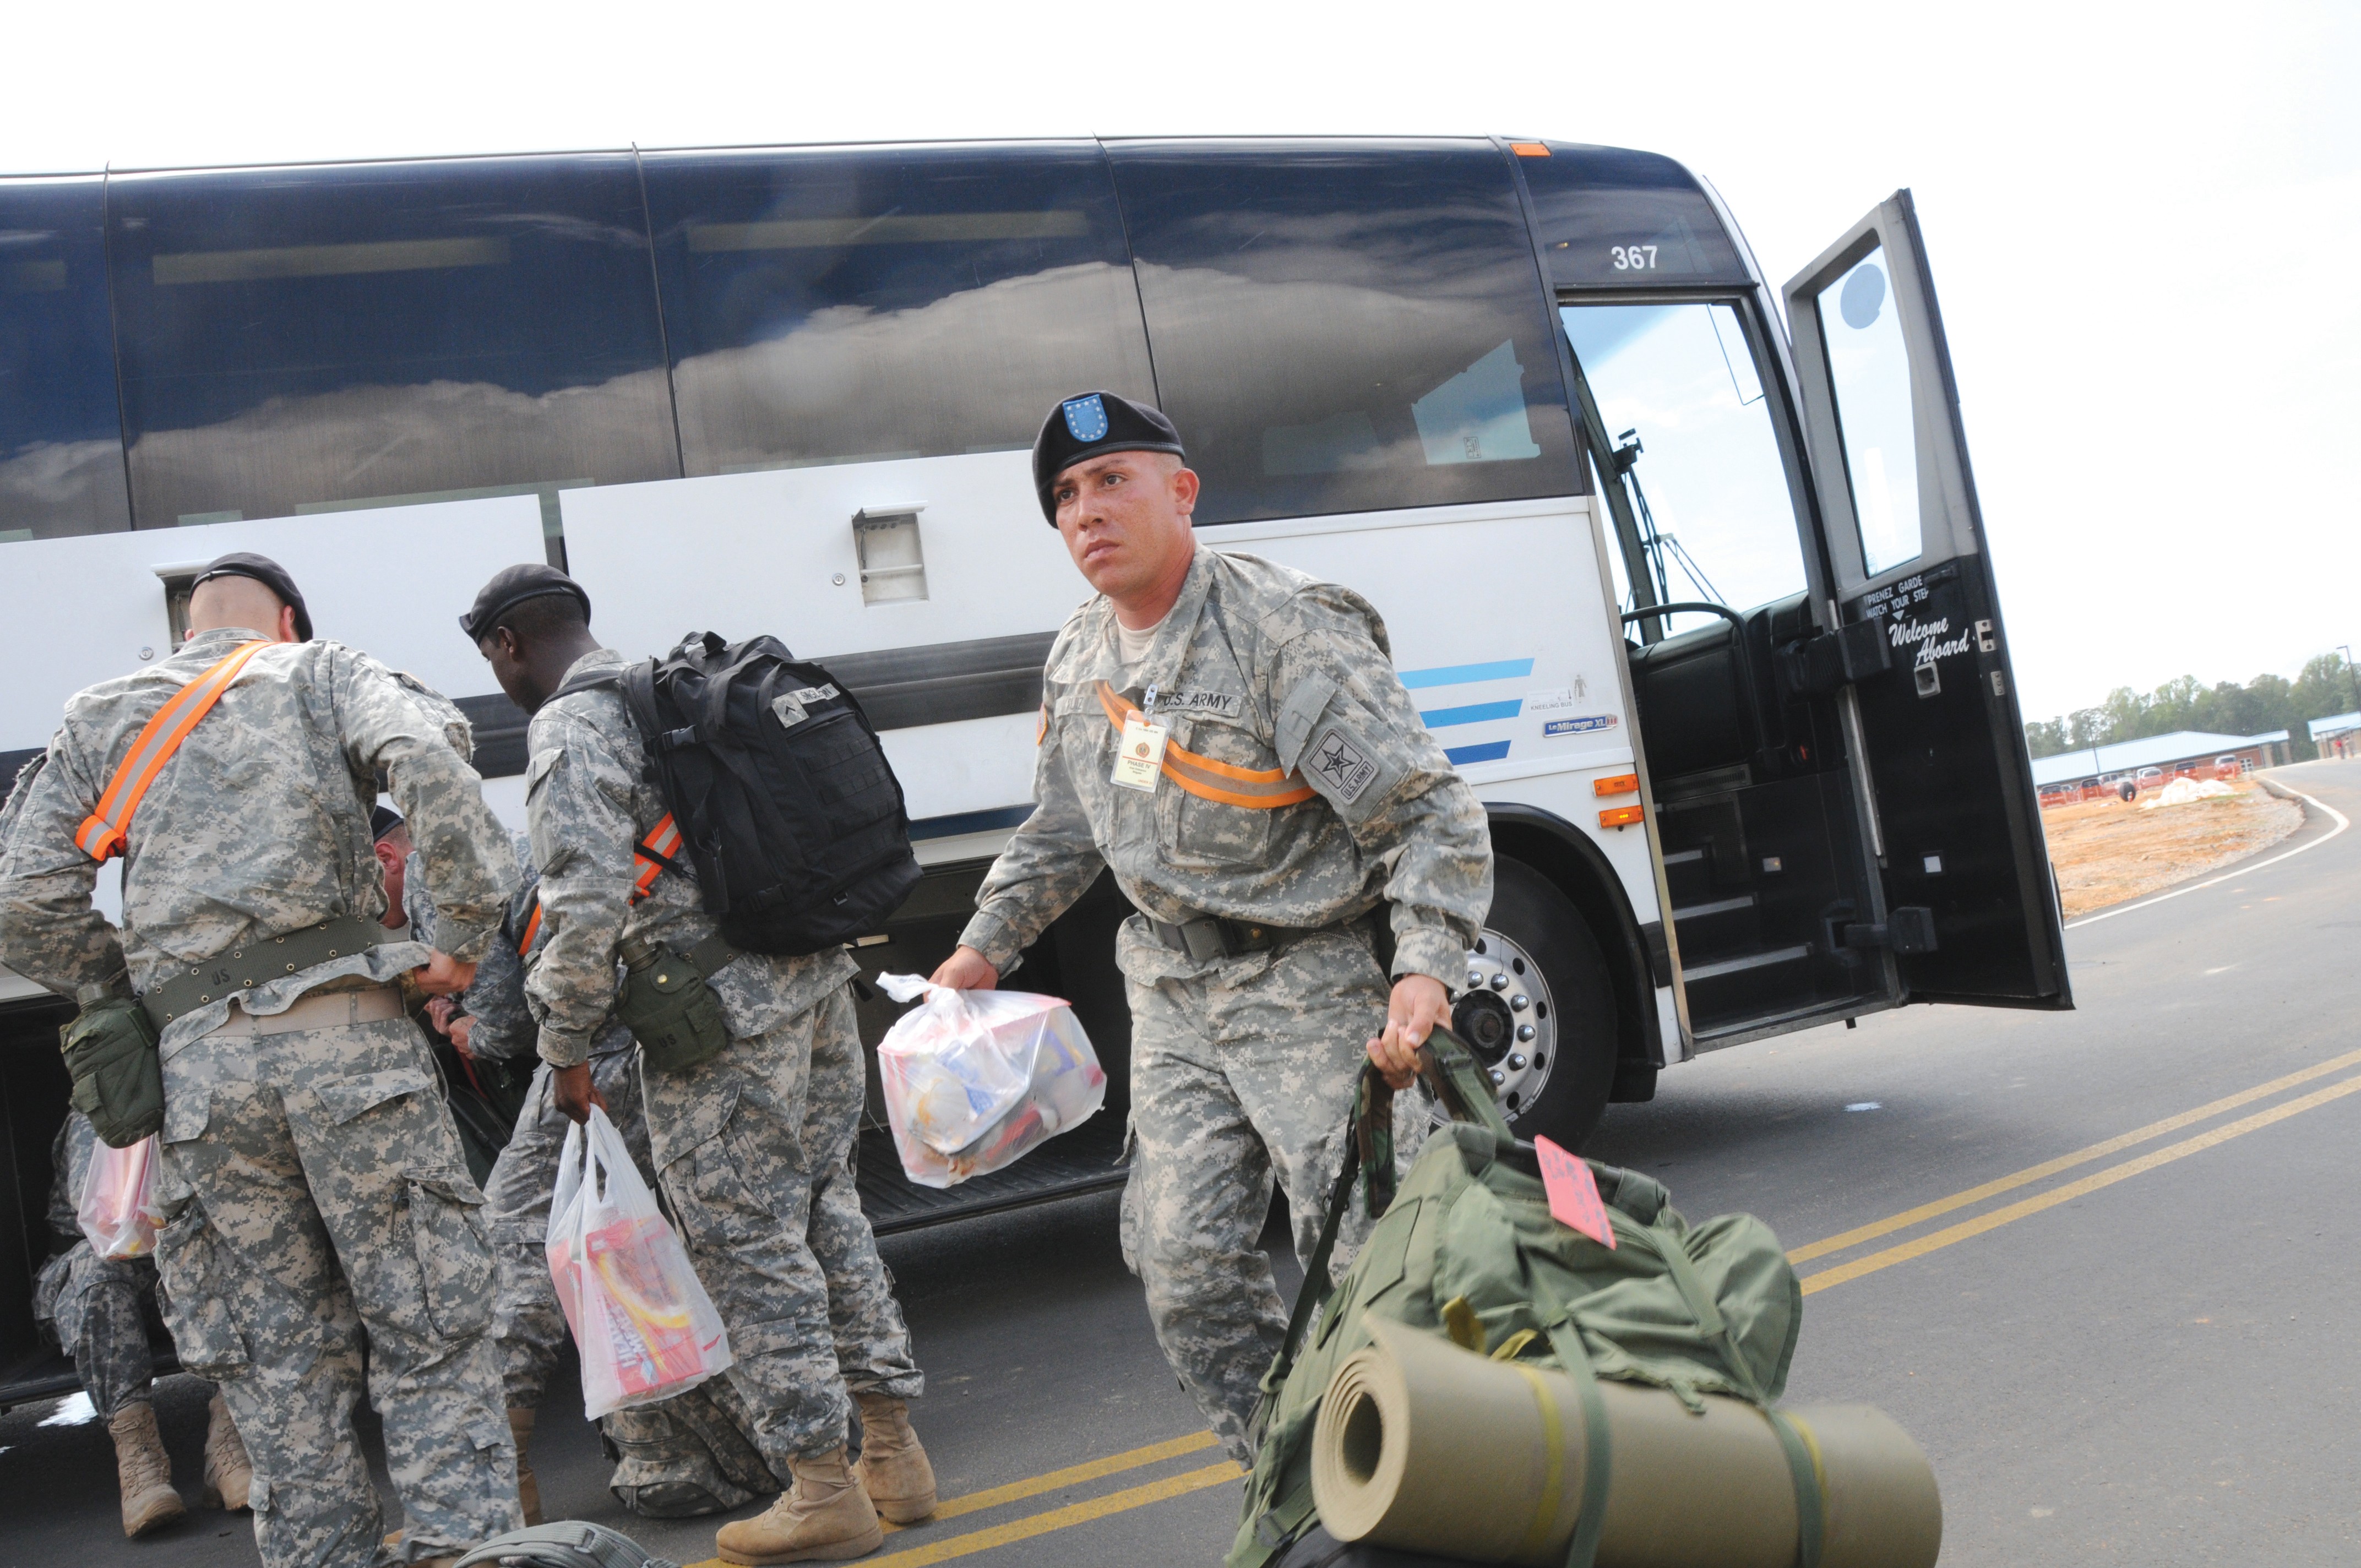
column 1469, row 1248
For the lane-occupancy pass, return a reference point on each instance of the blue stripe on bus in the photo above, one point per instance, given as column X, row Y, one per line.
column 970, row 822
column 1489, row 751
column 1474, row 713
column 1460, row 675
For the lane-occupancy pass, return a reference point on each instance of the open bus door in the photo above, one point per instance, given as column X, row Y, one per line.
column 1971, row 915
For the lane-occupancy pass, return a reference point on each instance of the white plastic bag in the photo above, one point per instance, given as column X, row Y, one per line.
column 117, row 1208
column 975, row 1079
column 644, row 1325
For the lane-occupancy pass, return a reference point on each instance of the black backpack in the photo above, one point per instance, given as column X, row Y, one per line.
column 783, row 796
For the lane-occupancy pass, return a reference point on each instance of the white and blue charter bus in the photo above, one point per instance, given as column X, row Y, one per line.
column 1685, row 571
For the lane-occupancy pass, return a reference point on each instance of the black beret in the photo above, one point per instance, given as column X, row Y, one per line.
column 269, row 574
column 1092, row 425
column 383, row 819
column 511, row 586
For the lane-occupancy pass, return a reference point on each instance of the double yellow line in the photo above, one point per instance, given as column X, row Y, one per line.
column 1185, row 1482
column 1993, row 1220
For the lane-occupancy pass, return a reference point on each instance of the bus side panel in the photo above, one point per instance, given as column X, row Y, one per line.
column 777, row 552
column 394, row 582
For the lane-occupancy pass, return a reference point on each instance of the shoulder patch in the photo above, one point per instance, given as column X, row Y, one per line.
column 1341, row 764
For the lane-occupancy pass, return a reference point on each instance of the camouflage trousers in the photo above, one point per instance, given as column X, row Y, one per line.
column 754, row 1150
column 691, row 1454
column 315, row 1199
column 97, row 1307
column 1240, row 1075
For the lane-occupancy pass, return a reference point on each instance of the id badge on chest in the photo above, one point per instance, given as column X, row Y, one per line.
column 1139, row 754
column 1140, row 758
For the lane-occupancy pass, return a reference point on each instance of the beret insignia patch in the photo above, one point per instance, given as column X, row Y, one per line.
column 1086, row 418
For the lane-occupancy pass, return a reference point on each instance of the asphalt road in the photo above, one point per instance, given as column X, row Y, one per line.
column 2119, row 1342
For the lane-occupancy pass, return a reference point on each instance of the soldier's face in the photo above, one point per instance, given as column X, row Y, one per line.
column 1125, row 519
column 501, row 650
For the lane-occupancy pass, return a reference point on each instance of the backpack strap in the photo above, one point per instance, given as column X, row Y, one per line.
column 651, row 858
column 532, row 928
column 102, row 835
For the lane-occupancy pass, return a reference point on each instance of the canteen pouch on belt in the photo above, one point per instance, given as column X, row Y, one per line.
column 118, row 1080
column 671, row 1011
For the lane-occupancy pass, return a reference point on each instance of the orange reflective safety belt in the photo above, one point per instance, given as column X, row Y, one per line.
column 1257, row 789
column 103, row 832
column 663, row 839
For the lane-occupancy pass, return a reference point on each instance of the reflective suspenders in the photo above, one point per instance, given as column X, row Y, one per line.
column 662, row 842
column 101, row 833
column 1257, row 789
column 654, row 853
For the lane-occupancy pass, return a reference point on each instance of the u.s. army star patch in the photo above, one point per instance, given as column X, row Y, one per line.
column 1340, row 764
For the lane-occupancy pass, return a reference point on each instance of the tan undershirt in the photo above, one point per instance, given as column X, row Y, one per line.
column 1132, row 646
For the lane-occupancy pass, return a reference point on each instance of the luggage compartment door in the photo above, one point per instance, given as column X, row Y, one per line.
column 1971, row 915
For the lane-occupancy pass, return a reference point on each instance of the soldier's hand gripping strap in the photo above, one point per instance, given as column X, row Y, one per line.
column 1451, row 1074
column 118, row 1080
column 101, row 833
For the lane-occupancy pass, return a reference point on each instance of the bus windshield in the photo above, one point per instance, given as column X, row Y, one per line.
column 1676, row 390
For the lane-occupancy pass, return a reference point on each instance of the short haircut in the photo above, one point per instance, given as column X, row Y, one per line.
column 545, row 615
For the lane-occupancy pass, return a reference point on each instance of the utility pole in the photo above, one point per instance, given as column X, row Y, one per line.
column 2351, row 679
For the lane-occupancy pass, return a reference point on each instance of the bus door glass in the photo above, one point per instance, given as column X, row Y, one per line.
column 1969, row 911
column 1752, row 805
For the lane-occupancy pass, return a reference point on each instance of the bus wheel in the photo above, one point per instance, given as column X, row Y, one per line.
column 1538, row 1011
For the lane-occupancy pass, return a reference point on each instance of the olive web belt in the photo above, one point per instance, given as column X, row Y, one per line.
column 259, row 963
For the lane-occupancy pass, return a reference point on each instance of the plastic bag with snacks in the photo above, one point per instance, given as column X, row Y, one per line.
column 642, row 1319
column 117, row 1210
column 975, row 1079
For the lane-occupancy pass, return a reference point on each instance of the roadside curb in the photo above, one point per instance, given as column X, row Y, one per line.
column 2315, row 812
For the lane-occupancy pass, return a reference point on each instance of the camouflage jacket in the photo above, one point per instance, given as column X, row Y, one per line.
column 590, row 800
column 506, row 1027
column 1258, row 668
column 258, row 826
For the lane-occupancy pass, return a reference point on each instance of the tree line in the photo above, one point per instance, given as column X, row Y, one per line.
column 2264, row 704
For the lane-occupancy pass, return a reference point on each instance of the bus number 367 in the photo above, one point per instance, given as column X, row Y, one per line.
column 1632, row 258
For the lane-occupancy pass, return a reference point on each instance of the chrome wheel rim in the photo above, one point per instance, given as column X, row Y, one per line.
column 1508, row 1016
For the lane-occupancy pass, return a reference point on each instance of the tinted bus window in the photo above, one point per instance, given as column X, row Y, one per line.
column 841, row 305
column 60, row 437
column 1607, row 215
column 1346, row 328
column 300, row 339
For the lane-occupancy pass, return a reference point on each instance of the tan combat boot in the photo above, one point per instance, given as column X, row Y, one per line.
column 823, row 1517
column 143, row 1472
column 528, row 1487
column 892, row 1468
column 229, row 1474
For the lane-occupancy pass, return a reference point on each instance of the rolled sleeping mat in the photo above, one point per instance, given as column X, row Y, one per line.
column 1422, row 1446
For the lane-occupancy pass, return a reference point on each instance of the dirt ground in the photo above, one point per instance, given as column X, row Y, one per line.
column 2107, row 852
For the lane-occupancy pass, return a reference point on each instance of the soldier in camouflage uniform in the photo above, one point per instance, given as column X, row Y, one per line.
column 754, row 1147
column 96, row 1309
column 1298, row 797
column 686, row 1456
column 310, row 1179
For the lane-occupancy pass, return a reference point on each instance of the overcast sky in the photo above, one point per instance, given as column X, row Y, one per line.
column 2142, row 221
